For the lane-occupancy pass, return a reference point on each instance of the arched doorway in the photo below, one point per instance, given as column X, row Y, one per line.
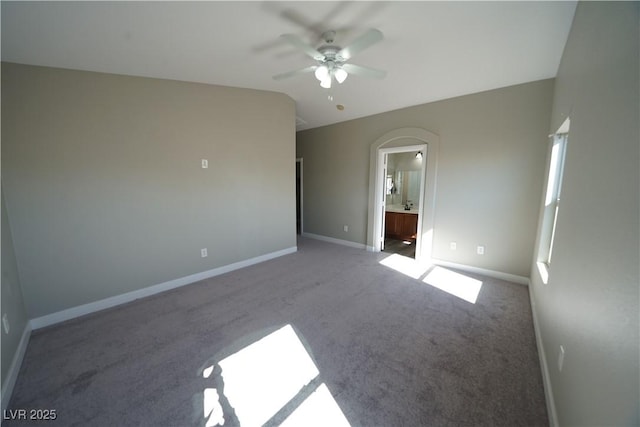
column 402, row 140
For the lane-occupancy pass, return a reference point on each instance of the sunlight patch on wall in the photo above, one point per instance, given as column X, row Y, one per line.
column 456, row 284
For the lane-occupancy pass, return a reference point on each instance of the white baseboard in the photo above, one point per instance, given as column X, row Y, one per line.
column 81, row 310
column 546, row 379
column 16, row 363
column 521, row 280
column 334, row 240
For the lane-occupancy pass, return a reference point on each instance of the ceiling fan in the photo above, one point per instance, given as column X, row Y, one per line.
column 331, row 60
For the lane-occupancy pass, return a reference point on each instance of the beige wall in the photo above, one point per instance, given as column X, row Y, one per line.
column 489, row 174
column 104, row 189
column 12, row 300
column 590, row 303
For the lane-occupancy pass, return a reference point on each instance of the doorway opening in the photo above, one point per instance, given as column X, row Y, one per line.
column 403, row 140
column 402, row 193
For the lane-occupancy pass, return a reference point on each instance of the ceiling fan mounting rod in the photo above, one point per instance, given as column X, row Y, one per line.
column 329, row 36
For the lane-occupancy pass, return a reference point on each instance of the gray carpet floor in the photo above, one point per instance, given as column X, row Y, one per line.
column 391, row 350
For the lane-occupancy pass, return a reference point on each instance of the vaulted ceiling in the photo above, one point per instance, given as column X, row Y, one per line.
column 430, row 50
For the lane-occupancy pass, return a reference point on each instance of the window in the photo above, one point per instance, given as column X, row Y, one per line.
column 552, row 194
column 390, row 184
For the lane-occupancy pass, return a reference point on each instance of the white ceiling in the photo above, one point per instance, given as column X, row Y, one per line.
column 431, row 50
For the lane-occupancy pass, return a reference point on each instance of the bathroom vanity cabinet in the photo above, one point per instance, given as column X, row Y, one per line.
column 400, row 225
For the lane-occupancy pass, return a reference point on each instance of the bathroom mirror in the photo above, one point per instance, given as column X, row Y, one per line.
column 403, row 179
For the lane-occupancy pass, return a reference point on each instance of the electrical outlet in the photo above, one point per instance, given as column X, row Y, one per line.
column 346, row 228
column 5, row 323
column 480, row 250
column 203, row 252
column 453, row 246
column 561, row 359
column 205, row 163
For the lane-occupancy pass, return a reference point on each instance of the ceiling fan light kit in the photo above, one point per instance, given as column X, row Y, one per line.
column 326, row 83
column 322, row 72
column 340, row 75
column 331, row 59
column 326, row 72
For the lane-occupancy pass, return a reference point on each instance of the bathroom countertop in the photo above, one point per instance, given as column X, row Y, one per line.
column 401, row 209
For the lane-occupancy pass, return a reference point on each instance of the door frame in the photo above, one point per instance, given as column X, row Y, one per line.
column 381, row 196
column 299, row 160
column 396, row 139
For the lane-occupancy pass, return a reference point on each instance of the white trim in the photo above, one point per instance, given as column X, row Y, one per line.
column 378, row 220
column 301, row 161
column 81, row 310
column 399, row 138
column 521, row 280
column 16, row 363
column 336, row 241
column 546, row 378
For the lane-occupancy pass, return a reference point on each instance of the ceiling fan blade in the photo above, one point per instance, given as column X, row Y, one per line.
column 361, row 43
column 314, row 28
column 298, row 19
column 359, row 70
column 295, row 72
column 307, row 49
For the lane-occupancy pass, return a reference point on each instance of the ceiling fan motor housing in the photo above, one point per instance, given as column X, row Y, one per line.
column 330, row 53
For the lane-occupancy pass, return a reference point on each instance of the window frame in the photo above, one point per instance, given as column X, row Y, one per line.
column 552, row 197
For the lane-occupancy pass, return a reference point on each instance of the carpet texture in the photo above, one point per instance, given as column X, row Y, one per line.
column 391, row 350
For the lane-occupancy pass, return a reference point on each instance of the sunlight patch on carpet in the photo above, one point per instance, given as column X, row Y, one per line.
column 262, row 377
column 405, row 265
column 319, row 409
column 273, row 376
column 456, row 284
column 214, row 413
